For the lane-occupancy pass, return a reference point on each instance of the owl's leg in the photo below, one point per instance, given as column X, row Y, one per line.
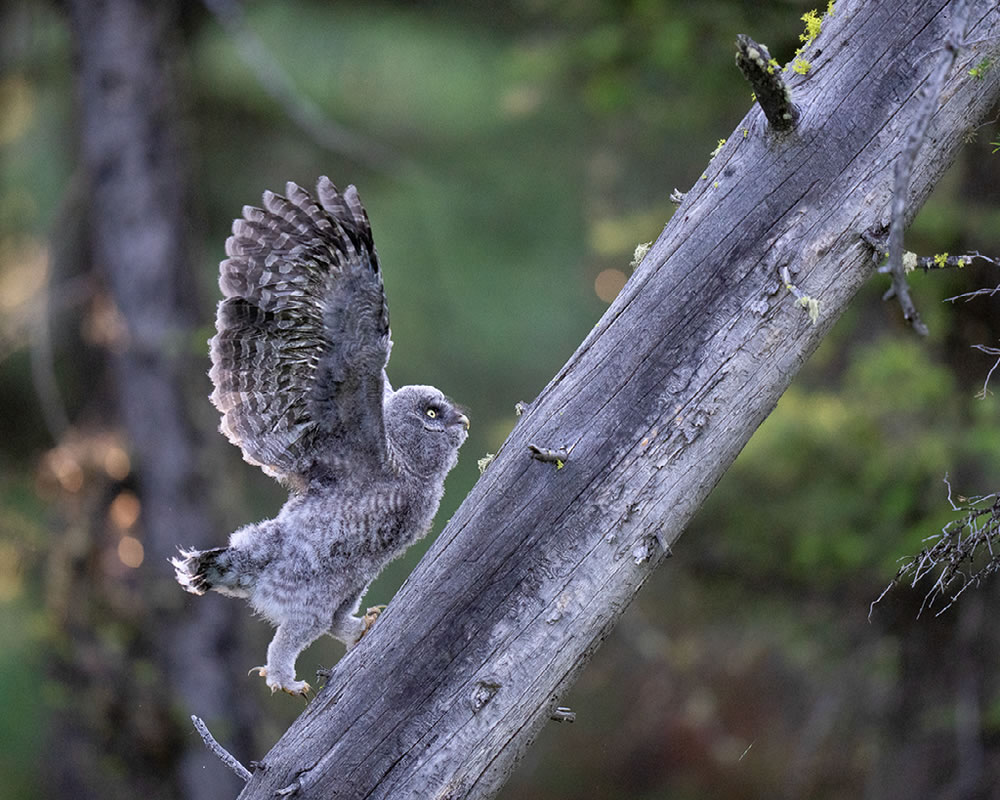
column 349, row 628
column 345, row 626
column 290, row 639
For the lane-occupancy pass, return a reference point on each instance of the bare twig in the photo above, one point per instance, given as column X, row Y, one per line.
column 299, row 108
column 930, row 95
column 990, row 351
column 912, row 261
column 954, row 555
column 224, row 755
column 967, row 296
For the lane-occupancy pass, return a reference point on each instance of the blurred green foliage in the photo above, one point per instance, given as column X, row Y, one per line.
column 536, row 142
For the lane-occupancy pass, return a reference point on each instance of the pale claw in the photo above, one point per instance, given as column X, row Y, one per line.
column 300, row 688
column 369, row 618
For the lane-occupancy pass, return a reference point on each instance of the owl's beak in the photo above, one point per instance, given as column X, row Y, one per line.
column 456, row 417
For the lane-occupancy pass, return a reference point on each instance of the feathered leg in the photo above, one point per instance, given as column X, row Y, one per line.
column 290, row 639
column 348, row 628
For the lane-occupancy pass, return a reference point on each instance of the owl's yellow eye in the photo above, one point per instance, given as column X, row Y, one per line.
column 432, row 413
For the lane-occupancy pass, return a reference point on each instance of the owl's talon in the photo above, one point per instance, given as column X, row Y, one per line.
column 369, row 618
column 300, row 688
column 293, row 688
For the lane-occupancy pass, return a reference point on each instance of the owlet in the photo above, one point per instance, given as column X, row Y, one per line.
column 298, row 366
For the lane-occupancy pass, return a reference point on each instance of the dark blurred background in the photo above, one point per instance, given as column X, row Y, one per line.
column 511, row 156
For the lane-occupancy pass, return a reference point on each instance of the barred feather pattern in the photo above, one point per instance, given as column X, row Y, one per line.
column 303, row 334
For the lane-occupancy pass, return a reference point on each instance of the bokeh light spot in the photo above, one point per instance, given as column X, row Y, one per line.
column 124, row 510
column 608, row 283
column 116, row 462
column 131, row 551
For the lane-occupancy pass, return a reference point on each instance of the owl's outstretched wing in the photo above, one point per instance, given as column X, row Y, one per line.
column 303, row 334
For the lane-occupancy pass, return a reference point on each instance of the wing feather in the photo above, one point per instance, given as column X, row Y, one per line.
column 302, row 334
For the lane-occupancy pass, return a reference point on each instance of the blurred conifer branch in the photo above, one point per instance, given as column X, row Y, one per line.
column 303, row 111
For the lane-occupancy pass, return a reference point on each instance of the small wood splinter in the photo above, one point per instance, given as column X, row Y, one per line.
column 563, row 714
column 764, row 75
column 558, row 456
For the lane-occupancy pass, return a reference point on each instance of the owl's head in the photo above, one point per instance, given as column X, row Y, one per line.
column 425, row 429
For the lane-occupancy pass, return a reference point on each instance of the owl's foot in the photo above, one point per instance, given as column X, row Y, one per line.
column 293, row 687
column 369, row 618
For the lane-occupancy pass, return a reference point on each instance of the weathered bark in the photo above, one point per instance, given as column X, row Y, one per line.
column 470, row 659
column 129, row 121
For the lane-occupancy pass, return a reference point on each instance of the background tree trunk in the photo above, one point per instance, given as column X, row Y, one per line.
column 533, row 570
column 129, row 122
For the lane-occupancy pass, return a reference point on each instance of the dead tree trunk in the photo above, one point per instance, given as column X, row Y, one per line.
column 131, row 153
column 533, row 570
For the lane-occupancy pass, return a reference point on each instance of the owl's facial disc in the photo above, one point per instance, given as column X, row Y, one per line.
column 439, row 416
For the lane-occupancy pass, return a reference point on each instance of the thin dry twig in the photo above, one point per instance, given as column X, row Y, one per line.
column 224, row 755
column 956, row 553
column 991, row 351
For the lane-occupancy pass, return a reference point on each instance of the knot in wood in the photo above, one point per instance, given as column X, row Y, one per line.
column 483, row 692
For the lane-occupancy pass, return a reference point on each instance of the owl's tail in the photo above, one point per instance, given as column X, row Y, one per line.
column 198, row 571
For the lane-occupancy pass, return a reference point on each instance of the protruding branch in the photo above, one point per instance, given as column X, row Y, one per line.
column 550, row 455
column 900, row 288
column 931, row 94
column 764, row 75
column 224, row 755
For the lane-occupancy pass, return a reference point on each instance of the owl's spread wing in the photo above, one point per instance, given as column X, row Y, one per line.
column 303, row 333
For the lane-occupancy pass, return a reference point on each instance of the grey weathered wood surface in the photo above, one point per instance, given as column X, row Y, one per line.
column 471, row 657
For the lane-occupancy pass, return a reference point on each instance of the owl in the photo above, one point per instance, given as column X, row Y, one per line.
column 298, row 368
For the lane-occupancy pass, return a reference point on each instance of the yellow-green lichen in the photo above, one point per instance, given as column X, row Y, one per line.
column 810, row 304
column 640, row 254
column 813, row 23
column 979, row 71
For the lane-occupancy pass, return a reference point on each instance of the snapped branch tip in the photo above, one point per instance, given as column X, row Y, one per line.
column 220, row 752
column 769, row 87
